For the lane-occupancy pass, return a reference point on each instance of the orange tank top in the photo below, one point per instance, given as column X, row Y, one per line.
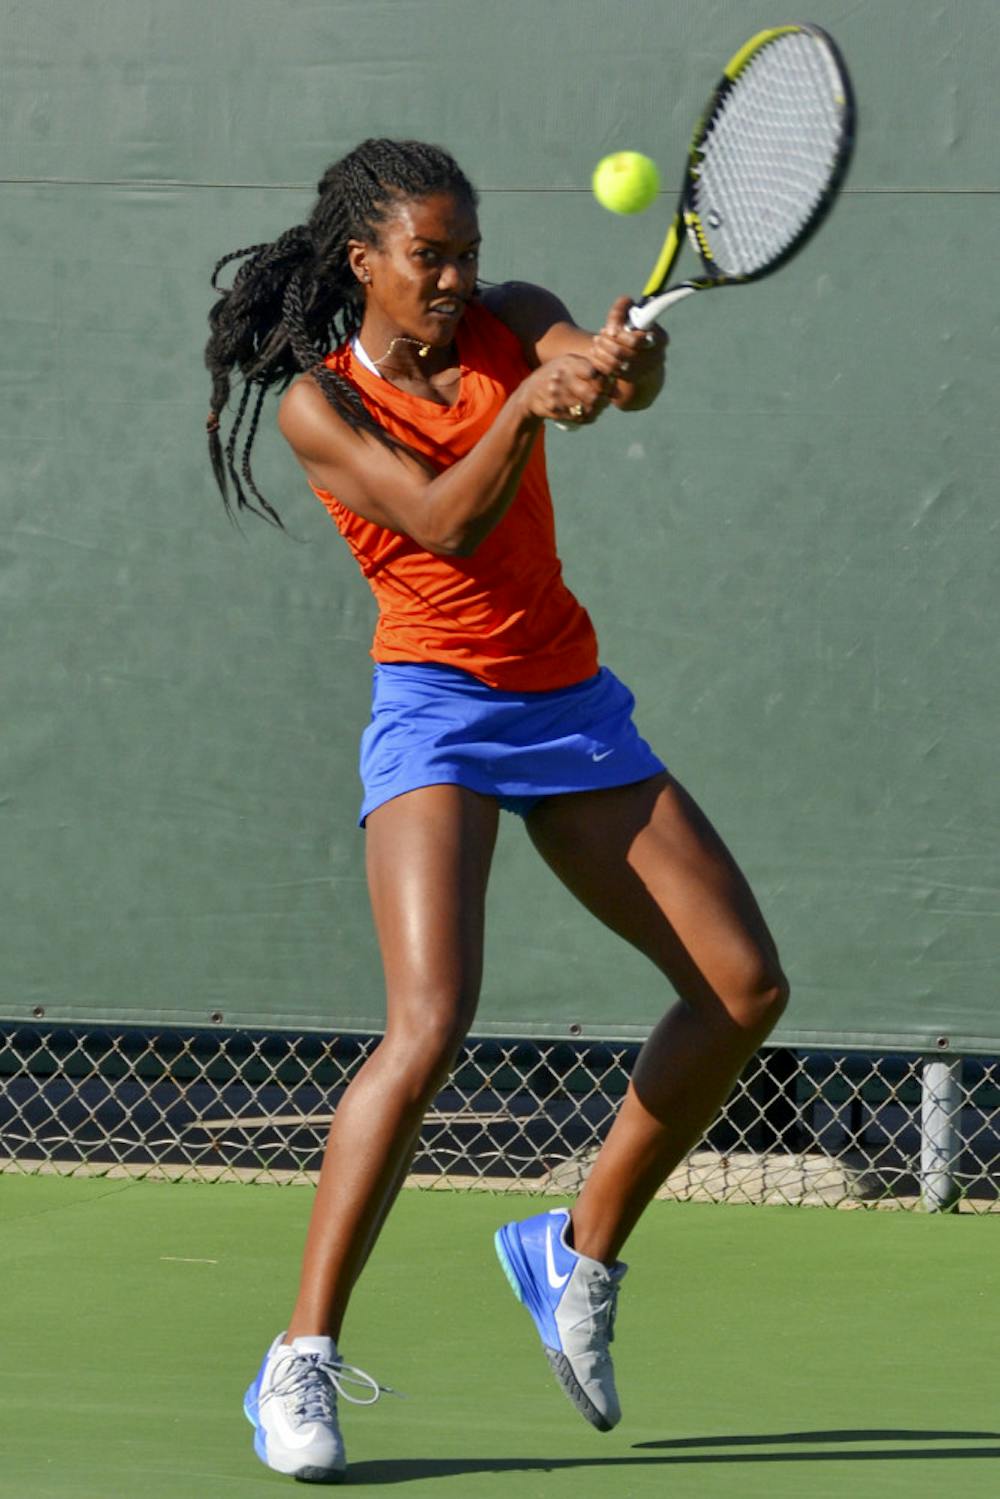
column 504, row 614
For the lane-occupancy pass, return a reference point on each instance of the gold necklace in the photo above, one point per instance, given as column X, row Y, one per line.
column 403, row 338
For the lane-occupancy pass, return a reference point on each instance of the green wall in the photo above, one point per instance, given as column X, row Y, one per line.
column 793, row 559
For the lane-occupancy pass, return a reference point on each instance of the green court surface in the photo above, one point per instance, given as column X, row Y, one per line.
column 769, row 1351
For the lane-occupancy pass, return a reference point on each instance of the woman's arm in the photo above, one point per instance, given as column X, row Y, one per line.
column 632, row 367
column 449, row 512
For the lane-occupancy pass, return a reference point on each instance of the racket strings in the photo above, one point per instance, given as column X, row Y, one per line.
column 769, row 154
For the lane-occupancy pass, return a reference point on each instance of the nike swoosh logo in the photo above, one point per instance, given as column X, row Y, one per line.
column 292, row 1438
column 293, row 1429
column 602, row 756
column 556, row 1281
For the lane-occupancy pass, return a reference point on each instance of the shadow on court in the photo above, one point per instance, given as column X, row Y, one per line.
column 791, row 1438
column 678, row 1453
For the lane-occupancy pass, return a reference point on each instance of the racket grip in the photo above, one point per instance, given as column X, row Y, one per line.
column 645, row 314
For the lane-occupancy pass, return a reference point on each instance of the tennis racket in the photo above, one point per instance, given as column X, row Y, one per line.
column 764, row 166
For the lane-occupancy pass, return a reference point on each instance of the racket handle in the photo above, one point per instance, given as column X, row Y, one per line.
column 645, row 314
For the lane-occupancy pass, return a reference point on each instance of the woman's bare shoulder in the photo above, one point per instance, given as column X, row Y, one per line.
column 307, row 420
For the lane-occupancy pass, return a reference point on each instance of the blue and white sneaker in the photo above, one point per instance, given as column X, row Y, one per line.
column 573, row 1300
column 292, row 1405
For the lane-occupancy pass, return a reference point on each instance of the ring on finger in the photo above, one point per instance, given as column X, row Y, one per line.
column 576, row 411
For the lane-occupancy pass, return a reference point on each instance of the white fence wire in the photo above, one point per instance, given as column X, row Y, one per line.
column 841, row 1129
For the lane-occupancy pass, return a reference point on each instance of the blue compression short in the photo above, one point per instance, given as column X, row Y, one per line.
column 433, row 725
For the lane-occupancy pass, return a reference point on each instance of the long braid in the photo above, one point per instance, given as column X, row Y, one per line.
column 295, row 299
column 234, row 433
column 336, row 389
column 245, row 468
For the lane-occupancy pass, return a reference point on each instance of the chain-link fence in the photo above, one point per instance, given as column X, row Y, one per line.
column 843, row 1129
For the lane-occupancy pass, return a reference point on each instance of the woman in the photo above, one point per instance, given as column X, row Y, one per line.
column 421, row 432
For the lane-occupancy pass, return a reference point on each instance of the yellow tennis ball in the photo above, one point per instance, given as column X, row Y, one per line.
column 626, row 182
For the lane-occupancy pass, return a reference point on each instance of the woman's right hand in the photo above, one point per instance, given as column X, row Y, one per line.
column 567, row 390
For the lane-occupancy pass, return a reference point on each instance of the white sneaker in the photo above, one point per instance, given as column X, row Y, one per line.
column 572, row 1300
column 292, row 1405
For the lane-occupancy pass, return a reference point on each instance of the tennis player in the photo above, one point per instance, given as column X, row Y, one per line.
column 415, row 399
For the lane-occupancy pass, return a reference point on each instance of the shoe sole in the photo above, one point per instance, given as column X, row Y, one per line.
column 558, row 1362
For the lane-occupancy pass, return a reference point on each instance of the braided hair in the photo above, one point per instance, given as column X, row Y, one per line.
column 293, row 300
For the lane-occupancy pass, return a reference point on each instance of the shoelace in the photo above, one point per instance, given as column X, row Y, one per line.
column 608, row 1308
column 603, row 1310
column 314, row 1383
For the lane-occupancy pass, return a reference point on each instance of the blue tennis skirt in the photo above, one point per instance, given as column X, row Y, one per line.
column 436, row 725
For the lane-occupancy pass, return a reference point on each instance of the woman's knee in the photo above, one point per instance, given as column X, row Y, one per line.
column 422, row 1044
column 759, row 1001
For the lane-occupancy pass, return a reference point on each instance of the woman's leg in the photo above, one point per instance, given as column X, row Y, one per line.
column 428, row 856
column 646, row 861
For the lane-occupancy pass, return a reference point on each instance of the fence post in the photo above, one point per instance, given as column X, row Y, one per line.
column 940, row 1132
